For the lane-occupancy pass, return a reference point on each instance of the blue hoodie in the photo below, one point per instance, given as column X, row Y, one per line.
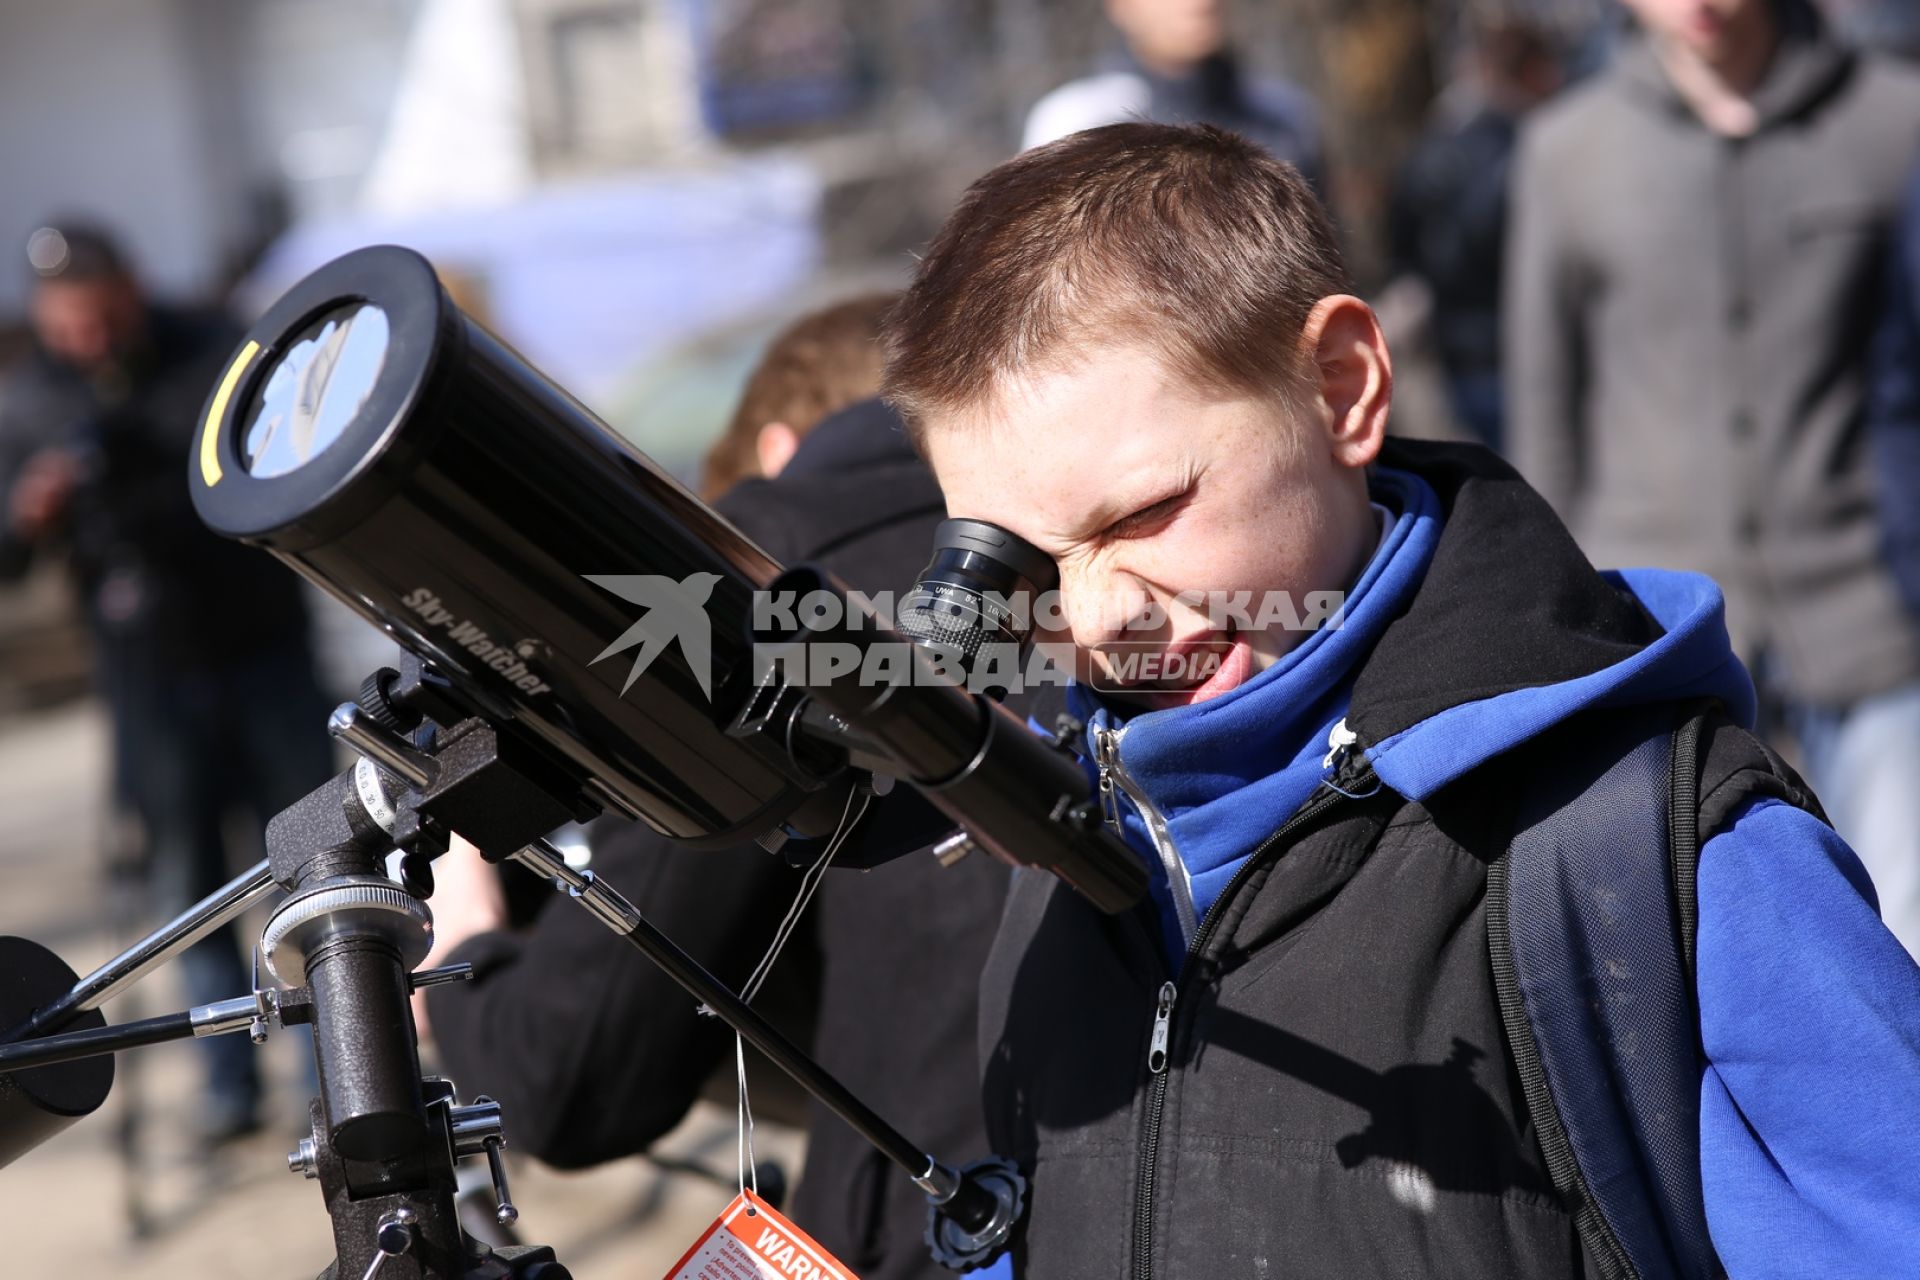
column 1809, row 1008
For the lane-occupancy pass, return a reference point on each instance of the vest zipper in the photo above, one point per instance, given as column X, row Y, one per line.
column 1161, row 1043
column 1113, row 775
column 1162, row 1015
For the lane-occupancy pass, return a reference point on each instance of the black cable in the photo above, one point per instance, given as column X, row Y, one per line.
column 73, row 1045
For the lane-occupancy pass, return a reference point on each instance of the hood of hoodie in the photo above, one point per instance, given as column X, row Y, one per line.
column 1808, row 64
column 1512, row 631
column 1476, row 626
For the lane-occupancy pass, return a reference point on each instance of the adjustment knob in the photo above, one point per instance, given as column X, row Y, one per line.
column 374, row 699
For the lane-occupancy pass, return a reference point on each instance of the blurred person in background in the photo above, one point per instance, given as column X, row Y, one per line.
column 200, row 644
column 1177, row 65
column 1893, row 427
column 1692, row 282
column 813, row 368
column 1447, row 219
column 592, row 1050
column 1891, row 26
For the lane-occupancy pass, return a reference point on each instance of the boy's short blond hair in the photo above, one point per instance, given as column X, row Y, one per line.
column 1189, row 239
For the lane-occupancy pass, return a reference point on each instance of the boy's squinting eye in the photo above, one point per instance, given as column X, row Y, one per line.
column 1148, row 519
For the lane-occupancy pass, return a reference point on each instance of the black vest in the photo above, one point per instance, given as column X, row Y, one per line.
column 1338, row 1099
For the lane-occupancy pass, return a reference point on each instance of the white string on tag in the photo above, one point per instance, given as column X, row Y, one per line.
column 746, row 1167
column 809, row 885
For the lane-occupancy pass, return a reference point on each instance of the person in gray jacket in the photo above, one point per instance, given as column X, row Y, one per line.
column 1697, row 241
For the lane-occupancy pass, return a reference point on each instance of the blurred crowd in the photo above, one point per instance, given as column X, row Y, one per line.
column 1667, row 262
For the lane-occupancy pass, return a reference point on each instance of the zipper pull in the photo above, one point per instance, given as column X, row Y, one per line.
column 1162, row 1020
column 1340, row 740
column 1103, row 756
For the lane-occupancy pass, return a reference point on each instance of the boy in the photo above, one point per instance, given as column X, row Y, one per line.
column 1137, row 348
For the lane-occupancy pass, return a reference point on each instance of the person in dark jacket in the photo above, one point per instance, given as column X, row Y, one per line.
column 200, row 644
column 821, row 363
column 1893, row 430
column 595, row 1053
column 1893, row 416
column 1698, row 246
column 1447, row 219
column 1137, row 349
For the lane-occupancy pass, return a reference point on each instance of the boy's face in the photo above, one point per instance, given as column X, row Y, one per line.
column 1146, row 491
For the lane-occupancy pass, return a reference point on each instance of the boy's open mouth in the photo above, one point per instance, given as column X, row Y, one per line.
column 1232, row 671
column 1189, row 670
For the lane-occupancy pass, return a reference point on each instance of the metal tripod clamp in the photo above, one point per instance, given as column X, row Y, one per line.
column 374, row 741
column 366, row 904
column 478, row 1129
column 395, row 1236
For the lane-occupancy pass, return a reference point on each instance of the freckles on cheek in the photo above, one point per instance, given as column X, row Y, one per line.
column 1207, row 550
column 1257, row 545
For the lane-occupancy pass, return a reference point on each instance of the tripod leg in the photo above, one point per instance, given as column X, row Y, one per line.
column 126, row 876
column 133, row 1202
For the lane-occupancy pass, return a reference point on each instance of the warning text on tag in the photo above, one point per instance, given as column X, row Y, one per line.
column 750, row 1241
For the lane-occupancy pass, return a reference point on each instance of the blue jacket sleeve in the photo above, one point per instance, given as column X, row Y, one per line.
column 1810, row 1018
column 1893, row 406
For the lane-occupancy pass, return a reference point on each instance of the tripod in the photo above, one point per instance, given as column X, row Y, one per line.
column 341, row 952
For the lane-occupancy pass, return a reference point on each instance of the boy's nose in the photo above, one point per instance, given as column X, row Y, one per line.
column 1107, row 608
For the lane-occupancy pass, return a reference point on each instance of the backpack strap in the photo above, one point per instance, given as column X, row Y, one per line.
column 1591, row 919
column 1683, row 835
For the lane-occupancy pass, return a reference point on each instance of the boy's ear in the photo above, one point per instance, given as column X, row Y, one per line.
column 1351, row 376
column 774, row 447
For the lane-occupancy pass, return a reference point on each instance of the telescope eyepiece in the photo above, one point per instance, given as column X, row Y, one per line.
column 981, row 588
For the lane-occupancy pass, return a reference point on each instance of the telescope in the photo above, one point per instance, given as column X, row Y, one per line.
column 579, row 636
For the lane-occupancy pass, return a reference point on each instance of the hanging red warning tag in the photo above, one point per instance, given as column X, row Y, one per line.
column 751, row 1241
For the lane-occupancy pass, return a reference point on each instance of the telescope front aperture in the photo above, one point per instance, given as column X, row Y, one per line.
column 316, row 390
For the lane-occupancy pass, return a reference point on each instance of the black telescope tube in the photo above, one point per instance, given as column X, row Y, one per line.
column 577, row 596
column 1017, row 795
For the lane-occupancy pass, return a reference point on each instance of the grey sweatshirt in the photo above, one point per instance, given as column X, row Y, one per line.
column 1687, row 320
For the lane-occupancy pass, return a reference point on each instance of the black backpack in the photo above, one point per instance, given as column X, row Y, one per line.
column 1592, row 918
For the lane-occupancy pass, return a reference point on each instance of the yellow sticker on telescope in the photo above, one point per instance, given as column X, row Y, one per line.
column 209, row 452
